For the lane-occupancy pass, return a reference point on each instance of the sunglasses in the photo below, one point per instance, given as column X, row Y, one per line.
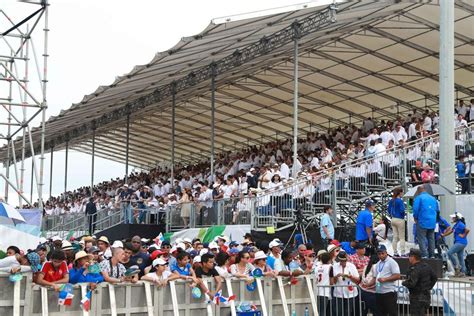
column 166, row 247
column 245, row 257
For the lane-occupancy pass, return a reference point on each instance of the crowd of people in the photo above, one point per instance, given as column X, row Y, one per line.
column 270, row 167
column 359, row 269
column 353, row 274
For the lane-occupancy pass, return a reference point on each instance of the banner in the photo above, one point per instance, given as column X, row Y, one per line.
column 234, row 232
column 25, row 235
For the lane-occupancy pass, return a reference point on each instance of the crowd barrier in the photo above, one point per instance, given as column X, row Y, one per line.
column 271, row 297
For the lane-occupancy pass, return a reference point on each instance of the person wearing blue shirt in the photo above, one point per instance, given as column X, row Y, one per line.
column 425, row 210
column 364, row 223
column 182, row 267
column 456, row 252
column 441, row 226
column 349, row 247
column 326, row 227
column 396, row 209
column 80, row 272
column 462, row 176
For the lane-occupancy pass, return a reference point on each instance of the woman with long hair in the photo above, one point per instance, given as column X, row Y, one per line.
column 367, row 290
column 185, row 203
column 242, row 268
column 456, row 252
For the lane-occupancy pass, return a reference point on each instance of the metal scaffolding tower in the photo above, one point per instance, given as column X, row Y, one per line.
column 22, row 95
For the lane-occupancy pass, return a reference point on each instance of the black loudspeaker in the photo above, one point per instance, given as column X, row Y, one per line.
column 436, row 265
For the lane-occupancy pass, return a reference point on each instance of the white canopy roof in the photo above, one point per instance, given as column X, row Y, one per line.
column 378, row 58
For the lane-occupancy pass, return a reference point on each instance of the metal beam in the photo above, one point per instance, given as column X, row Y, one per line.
column 127, row 147
column 418, row 47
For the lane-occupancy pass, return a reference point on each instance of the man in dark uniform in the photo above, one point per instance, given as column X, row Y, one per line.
column 91, row 213
column 420, row 280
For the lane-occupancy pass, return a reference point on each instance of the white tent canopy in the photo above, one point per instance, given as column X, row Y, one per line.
column 377, row 59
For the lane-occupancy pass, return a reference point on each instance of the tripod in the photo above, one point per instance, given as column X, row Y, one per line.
column 301, row 224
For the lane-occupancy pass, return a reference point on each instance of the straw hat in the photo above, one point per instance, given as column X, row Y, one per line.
column 104, row 239
column 81, row 254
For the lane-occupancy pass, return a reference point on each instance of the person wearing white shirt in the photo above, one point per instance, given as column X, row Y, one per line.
column 346, row 277
column 284, row 171
column 399, row 134
column 412, row 129
column 323, row 290
column 461, row 108
column 427, row 123
column 460, row 122
column 471, row 111
column 387, row 273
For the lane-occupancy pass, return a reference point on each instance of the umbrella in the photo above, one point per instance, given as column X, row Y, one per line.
column 433, row 189
column 9, row 215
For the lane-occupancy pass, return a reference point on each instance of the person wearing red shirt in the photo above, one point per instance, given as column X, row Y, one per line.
column 55, row 271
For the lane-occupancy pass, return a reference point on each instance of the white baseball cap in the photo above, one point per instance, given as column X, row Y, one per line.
column 117, row 244
column 274, row 243
column 260, row 255
column 197, row 258
column 213, row 245
column 56, row 238
column 159, row 262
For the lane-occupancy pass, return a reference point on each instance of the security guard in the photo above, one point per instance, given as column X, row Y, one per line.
column 420, row 280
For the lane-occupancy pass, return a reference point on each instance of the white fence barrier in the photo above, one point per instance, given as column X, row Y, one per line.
column 272, row 297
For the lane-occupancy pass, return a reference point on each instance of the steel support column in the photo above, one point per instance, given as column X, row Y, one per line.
column 446, row 103
column 173, row 133
column 65, row 169
column 295, row 100
column 32, row 177
column 51, row 174
column 213, row 114
column 127, row 147
column 7, row 170
column 92, row 161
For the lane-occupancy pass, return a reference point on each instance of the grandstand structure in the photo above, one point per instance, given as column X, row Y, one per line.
column 23, row 96
column 246, row 80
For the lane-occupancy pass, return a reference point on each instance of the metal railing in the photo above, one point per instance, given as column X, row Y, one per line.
column 345, row 187
column 273, row 296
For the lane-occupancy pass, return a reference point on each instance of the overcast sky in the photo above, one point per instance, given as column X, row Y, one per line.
column 91, row 42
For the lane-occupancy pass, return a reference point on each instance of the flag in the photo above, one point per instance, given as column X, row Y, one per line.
column 218, row 298
column 86, row 301
column 159, row 239
column 65, row 298
column 65, row 294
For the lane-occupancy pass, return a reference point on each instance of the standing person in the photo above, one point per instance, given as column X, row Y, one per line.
column 367, row 287
column 420, row 280
column 365, row 223
column 359, row 259
column 425, row 208
column 322, row 271
column 396, row 209
column 185, row 204
column 207, row 270
column 456, row 252
column 125, row 204
column 463, row 176
column 144, row 198
column 327, row 227
column 387, row 272
column 91, row 213
column 346, row 277
column 55, row 271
